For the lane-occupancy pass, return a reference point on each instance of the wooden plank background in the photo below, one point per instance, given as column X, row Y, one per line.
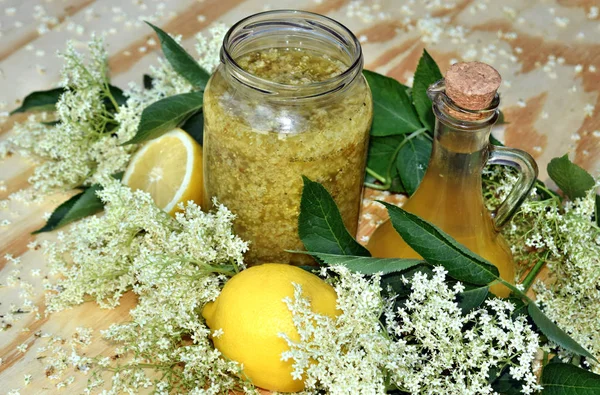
column 548, row 52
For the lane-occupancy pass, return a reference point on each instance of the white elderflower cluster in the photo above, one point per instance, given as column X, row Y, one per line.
column 136, row 245
column 423, row 345
column 357, row 331
column 173, row 265
column 84, row 145
column 564, row 236
column 208, row 49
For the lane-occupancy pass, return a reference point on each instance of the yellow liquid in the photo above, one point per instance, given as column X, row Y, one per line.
column 455, row 205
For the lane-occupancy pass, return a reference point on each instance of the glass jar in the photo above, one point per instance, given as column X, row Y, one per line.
column 450, row 194
column 287, row 100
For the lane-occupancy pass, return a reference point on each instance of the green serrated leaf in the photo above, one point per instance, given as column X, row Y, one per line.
column 554, row 333
column 183, row 63
column 382, row 153
column 79, row 206
column 320, row 224
column 567, row 379
column 544, row 192
column 166, row 114
column 393, row 112
column 412, row 161
column 368, row 265
column 395, row 281
column 597, row 210
column 520, row 307
column 472, row 298
column 194, row 126
column 573, row 180
column 438, row 248
column 426, row 74
column 148, row 81
column 495, row 141
column 506, row 384
column 40, row 101
column 501, row 120
column 118, row 95
column 51, row 123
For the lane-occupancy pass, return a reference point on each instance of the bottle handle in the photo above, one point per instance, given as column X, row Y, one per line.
column 526, row 165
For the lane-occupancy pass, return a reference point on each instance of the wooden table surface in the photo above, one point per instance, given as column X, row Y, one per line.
column 548, row 53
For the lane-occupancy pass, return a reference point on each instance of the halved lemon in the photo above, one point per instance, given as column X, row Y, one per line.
column 169, row 168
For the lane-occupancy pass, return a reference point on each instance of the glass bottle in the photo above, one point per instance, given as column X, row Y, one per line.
column 450, row 194
column 288, row 99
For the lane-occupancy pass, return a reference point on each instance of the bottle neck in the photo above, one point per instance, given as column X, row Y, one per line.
column 461, row 138
column 458, row 155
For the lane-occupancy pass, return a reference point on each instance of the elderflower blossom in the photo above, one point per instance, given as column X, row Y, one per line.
column 566, row 238
column 174, row 266
column 85, row 144
column 209, row 48
column 426, row 344
column 94, row 126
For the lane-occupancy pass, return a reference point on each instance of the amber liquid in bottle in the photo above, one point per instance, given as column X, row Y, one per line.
column 450, row 194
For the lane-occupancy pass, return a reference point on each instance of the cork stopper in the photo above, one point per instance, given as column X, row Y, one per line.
column 472, row 85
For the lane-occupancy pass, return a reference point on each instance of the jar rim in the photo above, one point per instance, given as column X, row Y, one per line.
column 342, row 34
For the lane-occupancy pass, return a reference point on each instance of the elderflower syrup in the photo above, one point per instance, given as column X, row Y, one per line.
column 288, row 100
column 450, row 195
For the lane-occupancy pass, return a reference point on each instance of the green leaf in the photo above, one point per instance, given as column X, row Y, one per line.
column 320, row 224
column 194, row 126
column 51, row 123
column 544, row 192
column 393, row 112
column 597, row 210
column 119, row 97
column 166, row 114
column 117, row 94
column 148, row 81
column 506, row 384
column 472, row 298
column 567, row 379
column 426, row 74
column 520, row 307
column 438, row 248
column 382, row 154
column 495, row 141
column 368, row 265
column 501, row 120
column 412, row 162
column 182, row 62
column 574, row 181
column 79, row 206
column 40, row 101
column 554, row 333
column 396, row 282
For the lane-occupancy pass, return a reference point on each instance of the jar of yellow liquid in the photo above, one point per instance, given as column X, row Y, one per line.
column 450, row 195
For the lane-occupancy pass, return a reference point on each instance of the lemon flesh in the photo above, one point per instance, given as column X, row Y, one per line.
column 251, row 313
column 169, row 168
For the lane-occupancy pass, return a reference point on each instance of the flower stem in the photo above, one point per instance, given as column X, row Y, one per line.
column 533, row 273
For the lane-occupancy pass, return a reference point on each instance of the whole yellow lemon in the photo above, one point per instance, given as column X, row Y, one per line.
column 251, row 313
